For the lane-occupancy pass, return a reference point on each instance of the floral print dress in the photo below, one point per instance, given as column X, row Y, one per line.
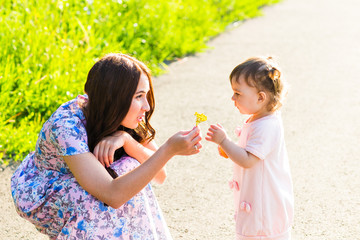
column 46, row 193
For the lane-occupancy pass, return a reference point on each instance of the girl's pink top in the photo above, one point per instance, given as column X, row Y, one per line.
column 263, row 193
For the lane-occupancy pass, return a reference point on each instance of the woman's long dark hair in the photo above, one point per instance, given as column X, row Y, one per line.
column 110, row 86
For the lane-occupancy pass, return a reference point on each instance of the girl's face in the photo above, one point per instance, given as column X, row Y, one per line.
column 245, row 97
column 139, row 104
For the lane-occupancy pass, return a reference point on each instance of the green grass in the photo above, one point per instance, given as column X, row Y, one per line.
column 48, row 47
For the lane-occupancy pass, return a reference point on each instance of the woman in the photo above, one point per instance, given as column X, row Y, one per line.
column 64, row 188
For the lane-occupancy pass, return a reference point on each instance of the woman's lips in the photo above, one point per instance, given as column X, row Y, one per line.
column 140, row 119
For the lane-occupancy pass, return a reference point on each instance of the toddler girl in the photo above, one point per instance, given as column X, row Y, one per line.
column 262, row 184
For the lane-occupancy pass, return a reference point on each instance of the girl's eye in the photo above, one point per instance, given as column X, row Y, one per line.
column 138, row 97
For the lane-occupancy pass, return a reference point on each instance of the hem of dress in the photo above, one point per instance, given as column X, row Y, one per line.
column 282, row 236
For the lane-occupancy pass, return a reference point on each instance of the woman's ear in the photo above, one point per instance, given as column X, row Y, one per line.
column 262, row 97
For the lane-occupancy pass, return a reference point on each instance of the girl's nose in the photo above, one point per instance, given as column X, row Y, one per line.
column 233, row 97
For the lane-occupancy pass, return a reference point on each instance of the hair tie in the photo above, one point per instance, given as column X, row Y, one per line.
column 274, row 74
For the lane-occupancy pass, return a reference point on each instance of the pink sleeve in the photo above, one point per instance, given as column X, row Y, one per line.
column 262, row 138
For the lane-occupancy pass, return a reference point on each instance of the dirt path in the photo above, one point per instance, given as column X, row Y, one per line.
column 317, row 45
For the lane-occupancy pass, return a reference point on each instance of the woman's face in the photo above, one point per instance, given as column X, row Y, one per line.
column 139, row 104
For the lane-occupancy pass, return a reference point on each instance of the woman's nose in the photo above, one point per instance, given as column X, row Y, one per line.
column 146, row 106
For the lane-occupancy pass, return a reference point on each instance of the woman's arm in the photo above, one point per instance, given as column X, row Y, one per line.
column 161, row 176
column 93, row 177
column 105, row 149
column 143, row 152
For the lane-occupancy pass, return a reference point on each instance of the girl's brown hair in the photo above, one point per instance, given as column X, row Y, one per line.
column 110, row 86
column 263, row 74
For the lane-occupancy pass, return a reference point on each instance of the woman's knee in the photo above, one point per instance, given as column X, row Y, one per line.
column 124, row 165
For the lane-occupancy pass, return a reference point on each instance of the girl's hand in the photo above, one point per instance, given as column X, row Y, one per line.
column 105, row 149
column 216, row 134
column 185, row 142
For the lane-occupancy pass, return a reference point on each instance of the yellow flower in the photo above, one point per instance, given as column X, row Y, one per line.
column 200, row 118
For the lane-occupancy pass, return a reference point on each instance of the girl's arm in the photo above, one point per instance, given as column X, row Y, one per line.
column 237, row 154
column 93, row 177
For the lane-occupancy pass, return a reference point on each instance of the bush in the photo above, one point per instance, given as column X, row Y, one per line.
column 47, row 48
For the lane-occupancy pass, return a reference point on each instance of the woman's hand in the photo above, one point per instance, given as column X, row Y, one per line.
column 185, row 142
column 216, row 134
column 105, row 149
